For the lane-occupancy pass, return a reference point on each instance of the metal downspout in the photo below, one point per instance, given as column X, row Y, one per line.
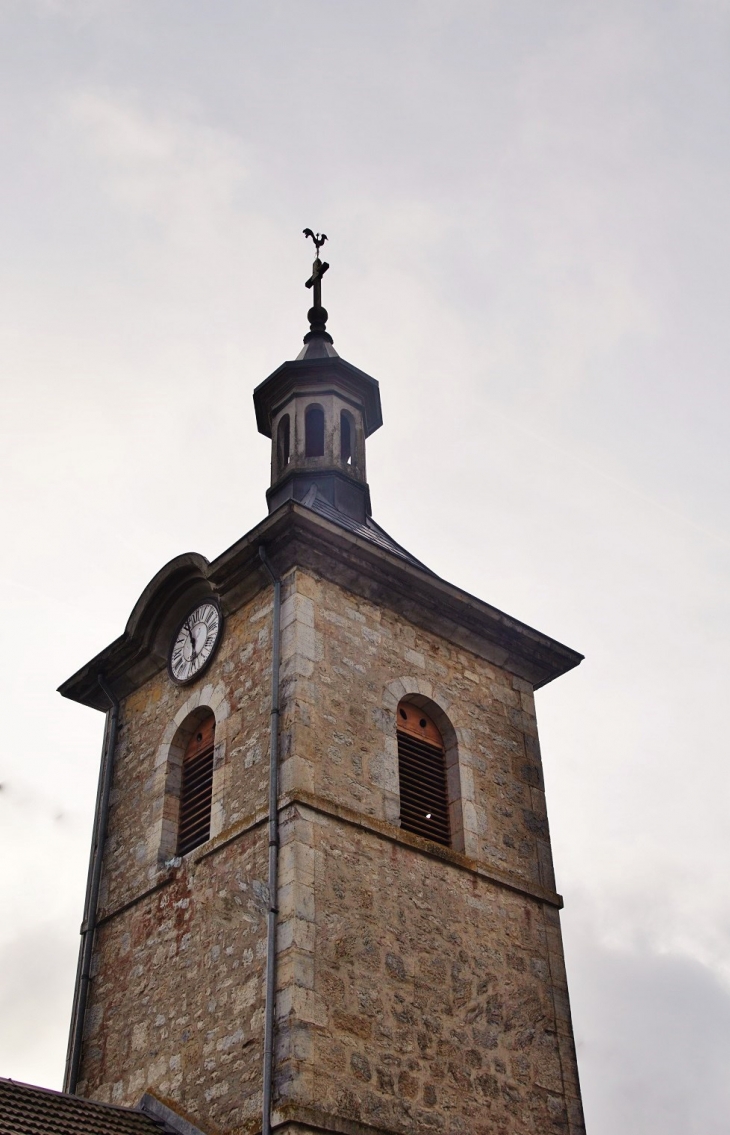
column 270, row 1007
column 88, row 926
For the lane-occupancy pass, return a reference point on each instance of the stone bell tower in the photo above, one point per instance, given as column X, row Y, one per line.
column 321, row 895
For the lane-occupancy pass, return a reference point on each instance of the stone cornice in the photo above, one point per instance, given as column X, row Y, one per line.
column 394, row 834
column 303, row 1120
column 323, row 806
column 297, row 536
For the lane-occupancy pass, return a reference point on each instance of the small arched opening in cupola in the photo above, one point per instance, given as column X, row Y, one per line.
column 347, row 438
column 314, row 432
column 283, row 443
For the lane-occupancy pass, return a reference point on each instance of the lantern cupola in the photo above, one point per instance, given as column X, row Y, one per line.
column 318, row 410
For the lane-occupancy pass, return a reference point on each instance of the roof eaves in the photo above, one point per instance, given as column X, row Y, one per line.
column 28, row 1104
column 387, row 574
column 453, row 612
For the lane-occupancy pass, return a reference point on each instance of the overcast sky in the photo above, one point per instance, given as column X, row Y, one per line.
column 527, row 210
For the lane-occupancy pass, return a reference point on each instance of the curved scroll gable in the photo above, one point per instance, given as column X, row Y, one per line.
column 141, row 650
column 167, row 598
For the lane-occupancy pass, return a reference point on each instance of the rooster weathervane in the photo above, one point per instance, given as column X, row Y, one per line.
column 318, row 238
column 317, row 314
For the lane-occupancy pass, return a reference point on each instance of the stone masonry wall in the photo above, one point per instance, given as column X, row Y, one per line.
column 416, row 996
column 347, row 663
column 418, row 990
column 177, row 1004
column 237, row 688
column 176, row 997
column 416, row 993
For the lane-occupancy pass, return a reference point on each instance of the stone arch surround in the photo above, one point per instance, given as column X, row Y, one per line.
column 168, row 766
column 463, row 811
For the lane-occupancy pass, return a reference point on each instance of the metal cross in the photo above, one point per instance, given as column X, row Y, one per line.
column 318, row 268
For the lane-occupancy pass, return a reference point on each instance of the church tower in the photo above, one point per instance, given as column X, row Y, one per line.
column 321, row 894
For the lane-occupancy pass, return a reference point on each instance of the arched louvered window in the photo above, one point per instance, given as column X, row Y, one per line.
column 424, row 797
column 196, row 793
column 314, row 432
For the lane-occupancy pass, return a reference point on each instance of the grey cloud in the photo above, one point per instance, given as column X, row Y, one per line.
column 653, row 1042
column 35, row 1003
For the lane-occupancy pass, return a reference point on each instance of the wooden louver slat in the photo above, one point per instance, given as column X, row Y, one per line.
column 424, row 802
column 196, row 791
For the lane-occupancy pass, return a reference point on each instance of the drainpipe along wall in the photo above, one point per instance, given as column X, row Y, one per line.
column 269, row 1013
column 88, row 926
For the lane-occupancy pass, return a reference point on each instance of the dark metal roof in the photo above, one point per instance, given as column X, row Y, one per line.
column 317, row 369
column 317, row 349
column 27, row 1110
column 369, row 530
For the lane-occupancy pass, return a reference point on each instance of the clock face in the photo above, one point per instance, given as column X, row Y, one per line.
column 195, row 642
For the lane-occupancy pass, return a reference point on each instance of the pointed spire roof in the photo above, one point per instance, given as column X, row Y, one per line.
column 317, row 348
column 318, row 362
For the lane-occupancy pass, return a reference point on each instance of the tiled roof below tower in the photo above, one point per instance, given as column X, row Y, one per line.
column 28, row 1110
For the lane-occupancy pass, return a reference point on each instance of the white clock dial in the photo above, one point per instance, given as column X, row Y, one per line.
column 194, row 643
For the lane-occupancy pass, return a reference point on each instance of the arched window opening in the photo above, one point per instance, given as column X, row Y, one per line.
column 314, row 432
column 424, row 798
column 283, row 443
column 345, row 438
column 196, row 793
